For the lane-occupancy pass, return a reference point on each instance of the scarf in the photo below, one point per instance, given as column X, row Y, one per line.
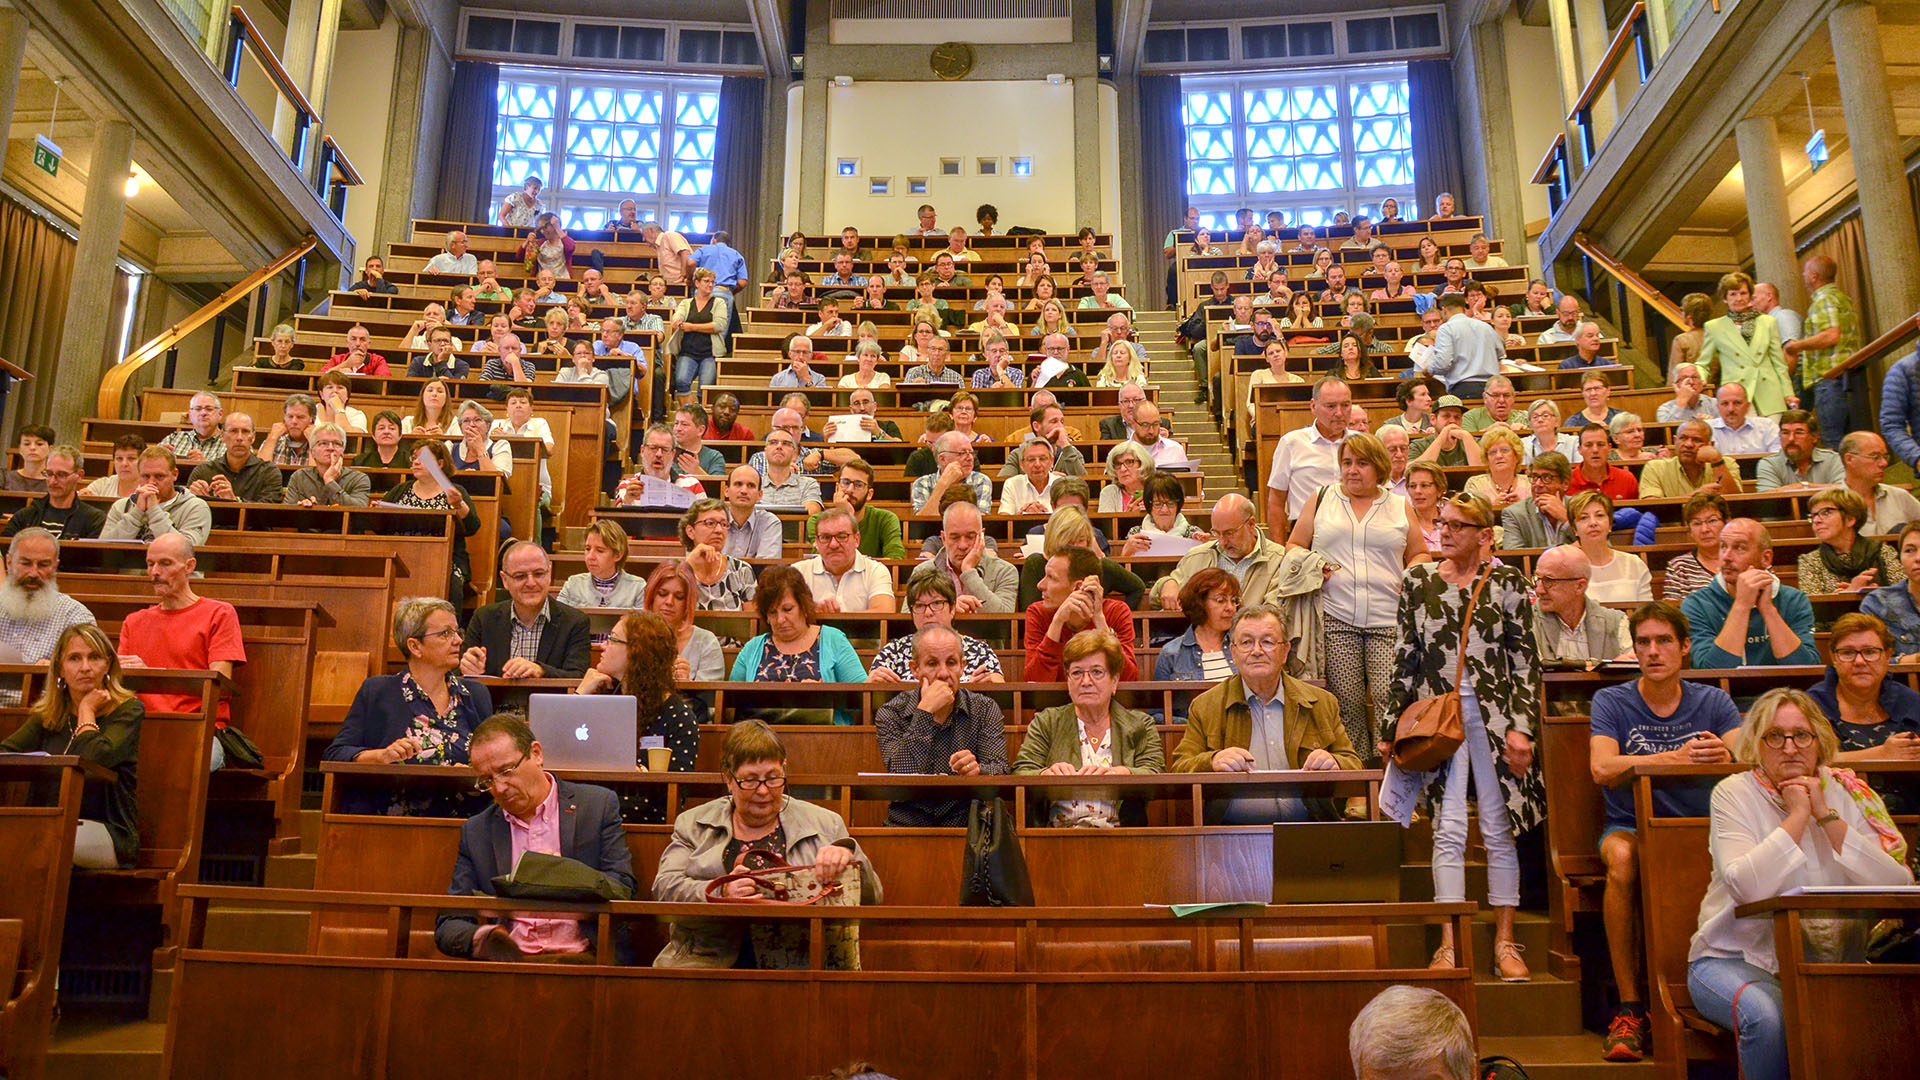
column 1863, row 556
column 1865, row 800
column 1745, row 321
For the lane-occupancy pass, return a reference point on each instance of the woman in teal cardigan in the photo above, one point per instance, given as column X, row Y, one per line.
column 1746, row 346
column 1093, row 736
column 795, row 648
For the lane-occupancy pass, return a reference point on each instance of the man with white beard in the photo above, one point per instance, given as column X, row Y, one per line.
column 33, row 610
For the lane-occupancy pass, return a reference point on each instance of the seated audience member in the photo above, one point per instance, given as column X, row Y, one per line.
column 386, row 449
column 691, row 455
column 1046, row 421
column 433, row 412
column 605, row 582
column 840, row 577
column 1451, row 445
column 532, row 811
column 529, row 635
column 476, row 449
column 797, row 350
column 1690, row 401
column 1875, row 718
column 155, row 508
column 582, row 371
column 421, row 491
column 1864, row 457
column 1739, row 430
column 933, row 368
column 1696, row 465
column 752, row 533
column 1793, row 821
column 511, row 364
column 87, row 712
column 1505, row 482
column 794, row 648
column 1586, row 350
column 1745, row 615
column 931, row 599
column 1201, row 654
column 877, row 529
column 1119, row 427
column 1262, row 720
column 866, row 373
column 1069, row 526
column 34, row 613
column 725, row 582
column 1898, row 605
column 1543, row 420
column 783, row 483
column 1567, row 326
column 1073, row 599
column 238, row 474
column 1541, row 519
column 373, row 278
column 1802, row 462
column 671, row 593
column 1237, row 546
column 182, row 630
column 861, row 403
column 1615, row 576
column 981, row 580
column 1426, row 485
column 1574, row 628
column 1655, row 718
column 1412, row 1033
column 1630, row 440
column 965, row 408
column 282, row 358
column 1149, row 432
column 1845, row 561
column 328, row 481
column 954, row 458
column 60, row 512
column 201, row 440
column 656, row 463
column 1129, row 466
column 756, row 826
column 939, row 729
column 1028, row 492
column 286, row 442
column 335, row 391
column 1166, row 500
column 1123, row 366
column 1704, row 513
column 1092, row 735
column 997, row 371
column 1413, row 404
column 357, row 360
column 1595, row 392
column 1596, row 473
column 642, row 659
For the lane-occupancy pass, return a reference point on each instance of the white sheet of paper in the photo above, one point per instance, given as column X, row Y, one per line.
column 847, row 429
column 1176, row 466
column 1036, row 545
column 1049, row 369
column 433, row 469
column 10, row 654
column 1169, row 544
column 657, row 492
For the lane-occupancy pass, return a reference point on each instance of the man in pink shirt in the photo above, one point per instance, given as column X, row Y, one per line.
column 672, row 249
column 532, row 811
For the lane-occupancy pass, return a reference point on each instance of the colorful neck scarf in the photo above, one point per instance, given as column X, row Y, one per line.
column 1865, row 799
column 1745, row 321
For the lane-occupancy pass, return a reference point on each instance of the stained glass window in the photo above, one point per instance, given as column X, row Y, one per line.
column 595, row 140
column 1308, row 147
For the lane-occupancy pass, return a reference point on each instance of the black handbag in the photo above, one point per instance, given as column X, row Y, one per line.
column 994, row 873
column 240, row 750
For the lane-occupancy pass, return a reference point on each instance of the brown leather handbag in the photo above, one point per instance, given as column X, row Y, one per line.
column 791, row 886
column 1430, row 730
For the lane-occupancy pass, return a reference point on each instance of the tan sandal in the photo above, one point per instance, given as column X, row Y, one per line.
column 1442, row 958
column 1507, row 964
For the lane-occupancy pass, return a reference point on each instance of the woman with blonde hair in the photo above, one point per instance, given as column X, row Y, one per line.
column 1070, row 527
column 1845, row 561
column 1053, row 320
column 1503, row 484
column 1123, row 366
column 86, row 711
column 1791, row 822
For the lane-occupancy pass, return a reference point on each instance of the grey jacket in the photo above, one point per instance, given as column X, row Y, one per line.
column 185, row 513
column 995, row 581
column 696, row 855
column 1603, row 629
column 351, row 489
column 1523, row 526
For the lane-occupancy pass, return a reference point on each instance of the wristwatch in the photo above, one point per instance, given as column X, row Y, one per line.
column 1832, row 816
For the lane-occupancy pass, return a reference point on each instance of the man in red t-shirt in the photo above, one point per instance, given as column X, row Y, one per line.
column 724, row 422
column 1071, row 601
column 1594, row 473
column 358, row 360
column 182, row 631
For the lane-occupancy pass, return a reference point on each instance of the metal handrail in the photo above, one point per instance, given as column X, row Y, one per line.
column 1635, row 284
column 245, row 35
column 113, row 384
column 336, row 175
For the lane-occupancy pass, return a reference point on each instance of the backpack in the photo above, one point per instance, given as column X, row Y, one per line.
column 1501, row 1067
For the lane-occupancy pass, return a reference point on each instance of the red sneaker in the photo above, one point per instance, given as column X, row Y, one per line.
column 1627, row 1036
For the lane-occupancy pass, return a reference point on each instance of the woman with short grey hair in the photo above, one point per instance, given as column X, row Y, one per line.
column 476, row 451
column 1128, row 466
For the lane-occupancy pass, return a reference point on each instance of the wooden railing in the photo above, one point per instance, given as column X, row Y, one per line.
column 243, row 34
column 1899, row 334
column 114, row 384
column 1627, row 277
column 1556, row 172
column 1633, row 34
column 336, row 175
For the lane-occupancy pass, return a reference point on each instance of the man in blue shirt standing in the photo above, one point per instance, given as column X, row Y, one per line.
column 1466, row 352
column 1655, row 718
column 729, row 273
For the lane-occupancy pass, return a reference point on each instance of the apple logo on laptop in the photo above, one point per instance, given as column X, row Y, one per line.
column 580, row 733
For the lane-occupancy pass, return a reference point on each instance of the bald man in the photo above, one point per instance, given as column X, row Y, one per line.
column 1238, row 547
column 1148, row 433
column 1745, row 616
column 1570, row 630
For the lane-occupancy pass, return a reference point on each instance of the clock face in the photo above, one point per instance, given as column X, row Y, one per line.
column 952, row 60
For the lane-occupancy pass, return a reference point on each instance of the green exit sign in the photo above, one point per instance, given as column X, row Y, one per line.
column 46, row 155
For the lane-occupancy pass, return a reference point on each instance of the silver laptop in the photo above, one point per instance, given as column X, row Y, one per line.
column 1336, row 862
column 585, row 731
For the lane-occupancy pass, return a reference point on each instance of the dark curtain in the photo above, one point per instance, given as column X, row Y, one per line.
column 733, row 201
column 36, row 273
column 1436, row 135
column 1163, row 153
column 467, row 147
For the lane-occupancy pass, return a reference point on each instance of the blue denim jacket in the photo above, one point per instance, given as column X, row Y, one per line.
column 1180, row 660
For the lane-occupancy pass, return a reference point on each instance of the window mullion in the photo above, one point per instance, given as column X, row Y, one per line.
column 669, row 114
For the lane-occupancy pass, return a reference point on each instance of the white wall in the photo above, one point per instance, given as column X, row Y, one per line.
column 1536, row 116
column 902, row 129
column 358, row 122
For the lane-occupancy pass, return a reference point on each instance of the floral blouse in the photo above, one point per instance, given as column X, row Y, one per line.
column 1502, row 666
column 776, row 666
column 678, row 725
column 442, row 741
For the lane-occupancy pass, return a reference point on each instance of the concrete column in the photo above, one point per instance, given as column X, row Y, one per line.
column 1893, row 249
column 1566, row 63
column 83, row 340
column 312, row 28
column 1086, row 151
column 1590, row 24
column 1505, row 173
column 405, row 143
column 1769, row 222
column 13, row 52
column 813, row 155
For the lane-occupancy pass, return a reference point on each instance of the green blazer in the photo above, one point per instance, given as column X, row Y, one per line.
column 1054, row 736
column 1757, row 365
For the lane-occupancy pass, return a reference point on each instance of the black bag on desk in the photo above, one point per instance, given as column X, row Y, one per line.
column 994, row 873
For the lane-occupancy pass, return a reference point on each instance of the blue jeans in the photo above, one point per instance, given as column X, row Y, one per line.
column 686, row 369
column 1833, row 407
column 1474, row 760
column 1745, row 1000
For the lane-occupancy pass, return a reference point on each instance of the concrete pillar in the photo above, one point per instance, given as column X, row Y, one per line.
column 1893, row 249
column 813, row 155
column 13, row 52
column 312, row 28
column 1769, row 222
column 1505, row 173
column 1086, row 151
column 1590, row 24
column 405, row 143
column 83, row 340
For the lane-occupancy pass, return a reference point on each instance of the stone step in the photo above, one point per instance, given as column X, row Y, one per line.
column 104, row 1050
column 1563, row 1057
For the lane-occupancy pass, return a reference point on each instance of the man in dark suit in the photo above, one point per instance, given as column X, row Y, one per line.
column 528, row 635
column 531, row 811
column 1119, row 428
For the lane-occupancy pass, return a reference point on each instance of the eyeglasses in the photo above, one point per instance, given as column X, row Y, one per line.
column 1459, row 526
column 1871, row 654
column 1256, row 645
column 928, row 607
column 485, row 784
column 1543, row 579
column 1087, row 675
column 834, row 538
column 1778, row 739
column 1870, row 457
column 755, row 783
column 449, row 632
column 1825, row 511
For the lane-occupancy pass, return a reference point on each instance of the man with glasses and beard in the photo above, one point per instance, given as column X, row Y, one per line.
column 33, row 610
column 878, row 528
column 59, row 512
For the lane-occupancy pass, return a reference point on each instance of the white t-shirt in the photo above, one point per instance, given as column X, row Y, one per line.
column 1623, row 580
column 1304, row 461
column 866, row 579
